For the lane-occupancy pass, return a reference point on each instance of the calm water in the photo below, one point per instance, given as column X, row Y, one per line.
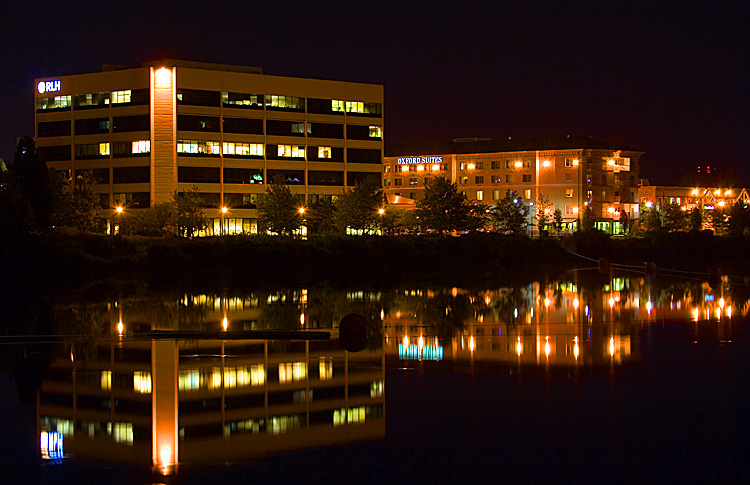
column 588, row 378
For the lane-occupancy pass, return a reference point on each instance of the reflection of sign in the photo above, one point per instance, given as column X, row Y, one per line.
column 51, row 443
column 48, row 86
column 709, row 207
column 413, row 352
column 413, row 160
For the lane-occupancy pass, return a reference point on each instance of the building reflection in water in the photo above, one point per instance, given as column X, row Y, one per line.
column 165, row 402
column 118, row 396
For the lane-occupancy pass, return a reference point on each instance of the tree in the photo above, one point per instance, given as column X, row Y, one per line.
column 542, row 212
column 674, row 217
column 589, row 219
column 508, row 215
column 321, row 217
column 739, row 218
column 79, row 206
column 443, row 208
column 156, row 221
column 720, row 221
column 650, row 219
column 357, row 208
column 624, row 221
column 696, row 219
column 188, row 212
column 557, row 218
column 278, row 211
column 35, row 184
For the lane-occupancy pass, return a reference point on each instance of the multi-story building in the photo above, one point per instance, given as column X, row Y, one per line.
column 146, row 133
column 573, row 172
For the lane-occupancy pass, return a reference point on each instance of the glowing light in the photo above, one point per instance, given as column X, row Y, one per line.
column 472, row 344
column 404, row 168
column 576, row 303
column 575, row 162
column 576, row 350
column 163, row 77
column 406, row 341
column 546, row 302
column 575, row 210
column 612, row 346
column 611, row 162
column 225, row 323
column 611, row 210
column 718, row 313
column 301, row 210
column 649, row 307
column 547, row 347
column 696, row 314
column 119, row 209
column 382, row 314
column 518, row 164
column 515, row 313
column 302, row 319
column 728, row 192
column 611, row 302
column 717, row 192
column 694, row 192
column 381, row 211
column 722, row 203
column 165, row 457
column 729, row 311
column 120, row 327
column 546, row 163
column 649, row 204
column 436, row 167
column 722, row 303
column 471, row 166
column 519, row 347
column 420, row 342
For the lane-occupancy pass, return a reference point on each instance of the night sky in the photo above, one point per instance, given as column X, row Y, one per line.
column 668, row 78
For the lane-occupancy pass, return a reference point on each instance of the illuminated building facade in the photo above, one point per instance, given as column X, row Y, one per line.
column 145, row 133
column 572, row 172
column 689, row 198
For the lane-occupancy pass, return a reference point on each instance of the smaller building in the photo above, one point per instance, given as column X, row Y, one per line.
column 688, row 198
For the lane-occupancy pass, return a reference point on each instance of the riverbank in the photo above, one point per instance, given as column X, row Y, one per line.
column 57, row 262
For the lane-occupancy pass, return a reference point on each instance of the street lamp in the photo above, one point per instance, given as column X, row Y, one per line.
column 223, row 212
column 118, row 213
column 302, row 227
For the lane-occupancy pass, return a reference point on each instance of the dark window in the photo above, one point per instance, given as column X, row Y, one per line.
column 92, row 125
column 353, row 178
column 363, row 155
column 100, row 175
column 104, row 198
column 290, row 177
column 320, row 177
column 54, row 128
column 91, row 101
column 92, row 150
column 243, row 176
column 285, row 128
column 197, row 97
column 479, row 179
column 206, row 199
column 131, row 175
column 133, row 200
column 322, row 106
column 358, row 132
column 495, row 165
column 53, row 153
column 243, row 125
column 527, row 177
column 242, row 100
column 326, row 130
column 241, row 201
column 205, row 175
column 197, row 123
column 131, row 123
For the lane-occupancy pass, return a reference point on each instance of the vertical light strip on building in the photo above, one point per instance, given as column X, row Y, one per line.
column 163, row 134
column 164, row 372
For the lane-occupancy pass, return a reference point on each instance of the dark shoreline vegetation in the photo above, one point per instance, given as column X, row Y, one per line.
column 58, row 263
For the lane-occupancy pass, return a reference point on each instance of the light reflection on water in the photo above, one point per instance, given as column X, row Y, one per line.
column 112, row 394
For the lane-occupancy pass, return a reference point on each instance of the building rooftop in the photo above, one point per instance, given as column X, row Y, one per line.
column 486, row 145
column 189, row 64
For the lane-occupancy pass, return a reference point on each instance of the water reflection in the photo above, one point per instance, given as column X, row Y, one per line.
column 115, row 395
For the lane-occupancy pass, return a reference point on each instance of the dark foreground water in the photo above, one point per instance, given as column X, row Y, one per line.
column 590, row 378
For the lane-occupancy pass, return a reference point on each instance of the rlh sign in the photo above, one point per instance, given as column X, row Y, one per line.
column 48, row 86
column 414, row 160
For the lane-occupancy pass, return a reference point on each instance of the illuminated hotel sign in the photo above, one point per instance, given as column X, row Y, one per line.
column 413, row 160
column 48, row 86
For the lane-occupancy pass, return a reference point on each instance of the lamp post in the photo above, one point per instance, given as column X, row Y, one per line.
column 302, row 228
column 118, row 213
column 223, row 212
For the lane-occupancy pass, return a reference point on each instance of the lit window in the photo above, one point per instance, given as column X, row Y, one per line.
column 106, row 380
column 569, row 193
column 58, row 102
column 292, row 371
column 376, row 388
column 337, row 105
column 287, row 102
column 123, row 432
column 142, row 146
column 376, row 132
column 120, row 97
column 362, row 108
column 243, row 149
column 199, row 147
column 298, row 127
column 325, row 152
column 142, row 382
column 325, row 367
column 104, row 148
column 480, row 195
column 496, row 194
column 413, row 181
column 189, row 380
column 293, row 151
column 527, row 194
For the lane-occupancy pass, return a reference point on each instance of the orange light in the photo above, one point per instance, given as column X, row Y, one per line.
column 575, row 162
column 406, row 341
column 120, row 328
column 225, row 323
column 519, row 347
column 301, row 210
column 436, row 167
column 224, row 210
column 472, row 345
column 381, row 211
column 546, row 163
column 163, row 77
column 119, row 209
column 519, row 164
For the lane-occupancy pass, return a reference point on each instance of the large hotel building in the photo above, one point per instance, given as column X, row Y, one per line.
column 146, row 133
column 573, row 172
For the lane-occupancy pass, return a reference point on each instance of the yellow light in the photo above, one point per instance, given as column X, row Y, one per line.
column 487, row 300
column 382, row 314
column 728, row 192
column 611, row 302
column 470, row 166
column 119, row 209
column 721, row 203
column 436, row 167
column 612, row 346
column 696, row 313
column 519, row 347
column 611, row 162
column 301, row 210
column 575, row 162
column 165, row 456
column 576, row 350
column 163, row 77
column 547, row 347
column 729, row 311
column 120, row 328
column 420, row 168
column 404, row 168
column 519, row 164
column 649, row 307
column 722, row 303
column 406, row 341
column 420, row 342
column 718, row 313
column 611, row 210
column 225, row 323
column 546, row 302
column 224, row 210
column 717, row 192
column 302, row 319
column 576, row 303
column 381, row 211
column 694, row 192
column 472, row 345
column 575, row 210
column 546, row 163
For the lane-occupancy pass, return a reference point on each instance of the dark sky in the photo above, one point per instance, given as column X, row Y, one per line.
column 668, row 78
